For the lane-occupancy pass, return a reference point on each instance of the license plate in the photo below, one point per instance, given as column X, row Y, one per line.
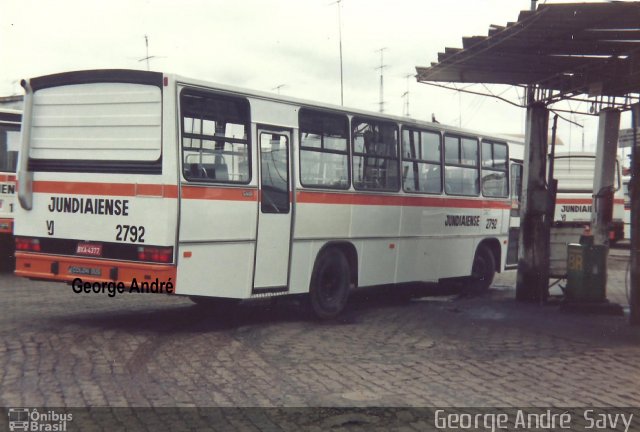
column 89, row 249
column 87, row 271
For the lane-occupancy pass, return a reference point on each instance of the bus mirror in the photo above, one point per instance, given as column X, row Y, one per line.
column 25, row 177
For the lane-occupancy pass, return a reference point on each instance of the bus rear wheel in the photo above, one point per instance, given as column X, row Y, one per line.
column 330, row 281
column 483, row 270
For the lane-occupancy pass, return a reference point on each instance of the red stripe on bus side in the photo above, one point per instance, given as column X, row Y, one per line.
column 7, row 177
column 397, row 200
column 584, row 201
column 251, row 194
column 108, row 189
column 223, row 194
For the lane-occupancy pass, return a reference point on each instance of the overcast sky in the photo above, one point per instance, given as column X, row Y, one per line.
column 264, row 44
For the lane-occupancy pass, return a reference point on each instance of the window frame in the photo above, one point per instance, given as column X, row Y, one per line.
column 244, row 104
column 505, row 170
column 7, row 163
column 379, row 122
column 460, row 137
column 347, row 152
column 417, row 160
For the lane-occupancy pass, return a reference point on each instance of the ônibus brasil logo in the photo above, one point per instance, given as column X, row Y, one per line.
column 27, row 419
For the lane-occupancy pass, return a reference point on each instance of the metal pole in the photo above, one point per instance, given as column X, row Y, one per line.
column 146, row 44
column 382, row 66
column 604, row 175
column 634, row 195
column 338, row 2
column 406, row 95
column 530, row 91
column 340, row 36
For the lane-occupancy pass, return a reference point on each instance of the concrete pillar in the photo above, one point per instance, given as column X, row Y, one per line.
column 604, row 175
column 533, row 252
column 634, row 195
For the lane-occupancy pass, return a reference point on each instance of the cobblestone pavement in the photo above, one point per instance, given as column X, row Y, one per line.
column 63, row 349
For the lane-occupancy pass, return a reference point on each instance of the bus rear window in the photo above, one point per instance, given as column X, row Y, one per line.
column 97, row 127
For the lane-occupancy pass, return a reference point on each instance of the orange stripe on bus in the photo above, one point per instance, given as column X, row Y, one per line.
column 7, row 177
column 223, row 194
column 109, row 189
column 252, row 194
column 397, row 200
column 585, row 201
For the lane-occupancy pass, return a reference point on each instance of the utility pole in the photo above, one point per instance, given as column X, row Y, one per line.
column 146, row 44
column 634, row 195
column 405, row 95
column 147, row 57
column 338, row 2
column 530, row 89
column 382, row 66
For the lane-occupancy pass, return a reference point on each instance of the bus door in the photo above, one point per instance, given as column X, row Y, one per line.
column 275, row 211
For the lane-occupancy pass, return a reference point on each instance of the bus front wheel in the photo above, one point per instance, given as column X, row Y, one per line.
column 330, row 281
column 483, row 270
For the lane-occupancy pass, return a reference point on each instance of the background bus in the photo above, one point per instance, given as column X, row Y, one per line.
column 574, row 200
column 235, row 194
column 9, row 145
column 574, row 172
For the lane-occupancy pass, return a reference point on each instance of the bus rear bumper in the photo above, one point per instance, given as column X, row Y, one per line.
column 68, row 268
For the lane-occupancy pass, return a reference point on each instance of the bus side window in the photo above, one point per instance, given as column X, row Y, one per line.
column 461, row 166
column 324, row 152
column 215, row 141
column 494, row 169
column 375, row 155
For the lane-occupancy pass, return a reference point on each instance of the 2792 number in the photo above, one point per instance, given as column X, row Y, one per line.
column 492, row 223
column 130, row 233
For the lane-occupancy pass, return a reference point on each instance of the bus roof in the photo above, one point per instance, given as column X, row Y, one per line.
column 346, row 110
column 149, row 76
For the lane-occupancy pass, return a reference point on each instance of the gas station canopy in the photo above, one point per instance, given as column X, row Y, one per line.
column 566, row 49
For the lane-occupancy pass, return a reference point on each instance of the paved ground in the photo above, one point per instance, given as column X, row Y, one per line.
column 58, row 348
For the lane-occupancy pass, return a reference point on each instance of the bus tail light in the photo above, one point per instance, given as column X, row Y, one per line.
column 155, row 254
column 27, row 244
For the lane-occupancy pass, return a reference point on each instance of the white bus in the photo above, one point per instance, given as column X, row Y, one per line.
column 9, row 145
column 574, row 200
column 131, row 176
column 574, row 172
